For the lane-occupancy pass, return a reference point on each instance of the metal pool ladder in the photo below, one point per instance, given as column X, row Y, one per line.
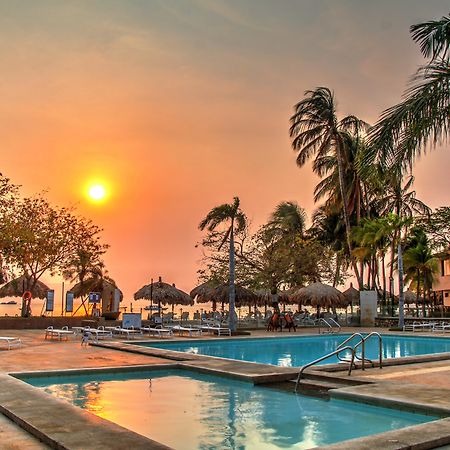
column 342, row 347
column 318, row 360
column 329, row 323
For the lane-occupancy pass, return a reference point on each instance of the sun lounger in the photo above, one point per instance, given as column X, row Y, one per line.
column 130, row 333
column 420, row 326
column 59, row 333
column 442, row 328
column 160, row 332
column 191, row 330
column 11, row 342
column 215, row 329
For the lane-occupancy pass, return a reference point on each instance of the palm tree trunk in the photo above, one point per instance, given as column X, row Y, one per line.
column 346, row 218
column 383, row 269
column 424, row 294
column 401, row 296
column 232, row 294
column 338, row 267
column 418, row 292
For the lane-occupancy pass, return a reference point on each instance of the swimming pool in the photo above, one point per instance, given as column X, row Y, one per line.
column 299, row 350
column 188, row 410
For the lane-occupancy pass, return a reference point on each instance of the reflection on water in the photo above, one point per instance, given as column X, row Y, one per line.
column 186, row 410
column 297, row 351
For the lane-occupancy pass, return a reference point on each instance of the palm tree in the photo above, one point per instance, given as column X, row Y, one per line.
column 232, row 214
column 328, row 230
column 316, row 130
column 420, row 264
column 288, row 217
column 423, row 117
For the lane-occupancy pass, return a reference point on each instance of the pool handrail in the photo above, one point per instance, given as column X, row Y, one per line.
column 348, row 340
column 327, row 323
column 363, row 345
column 322, row 358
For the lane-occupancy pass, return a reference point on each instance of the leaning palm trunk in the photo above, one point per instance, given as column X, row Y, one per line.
column 346, row 218
column 232, row 287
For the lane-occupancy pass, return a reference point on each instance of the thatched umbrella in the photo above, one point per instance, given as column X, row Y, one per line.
column 411, row 297
column 319, row 295
column 351, row 295
column 208, row 292
column 203, row 293
column 163, row 294
column 16, row 288
column 106, row 288
column 244, row 297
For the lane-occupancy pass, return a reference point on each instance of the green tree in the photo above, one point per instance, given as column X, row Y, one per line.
column 421, row 267
column 316, row 130
column 38, row 238
column 232, row 215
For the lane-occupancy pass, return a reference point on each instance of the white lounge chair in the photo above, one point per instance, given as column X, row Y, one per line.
column 215, row 328
column 130, row 333
column 190, row 330
column 11, row 342
column 443, row 327
column 158, row 331
column 420, row 326
column 59, row 333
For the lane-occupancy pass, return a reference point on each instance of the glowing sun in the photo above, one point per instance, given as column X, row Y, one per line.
column 97, row 192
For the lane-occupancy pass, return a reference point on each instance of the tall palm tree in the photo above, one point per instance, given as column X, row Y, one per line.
column 328, row 230
column 288, row 217
column 316, row 130
column 423, row 117
column 232, row 215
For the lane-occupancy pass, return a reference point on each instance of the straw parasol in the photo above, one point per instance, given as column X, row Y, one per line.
column 319, row 295
column 95, row 284
column 107, row 289
column 411, row 297
column 211, row 292
column 163, row 294
column 244, row 297
column 16, row 288
column 203, row 292
column 351, row 295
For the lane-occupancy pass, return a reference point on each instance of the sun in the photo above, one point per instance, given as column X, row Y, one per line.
column 97, row 192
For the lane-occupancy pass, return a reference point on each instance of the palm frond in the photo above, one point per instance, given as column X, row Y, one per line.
column 433, row 37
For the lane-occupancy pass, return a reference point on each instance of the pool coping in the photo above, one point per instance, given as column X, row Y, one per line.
column 420, row 436
column 423, row 436
column 135, row 347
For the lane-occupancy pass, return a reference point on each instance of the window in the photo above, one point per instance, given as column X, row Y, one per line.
column 447, row 267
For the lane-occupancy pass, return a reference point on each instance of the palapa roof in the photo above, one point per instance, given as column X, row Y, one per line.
column 220, row 294
column 319, row 294
column 203, row 293
column 16, row 288
column 411, row 297
column 163, row 293
column 265, row 295
column 351, row 295
column 94, row 284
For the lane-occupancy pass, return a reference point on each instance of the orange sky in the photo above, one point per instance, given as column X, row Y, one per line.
column 181, row 105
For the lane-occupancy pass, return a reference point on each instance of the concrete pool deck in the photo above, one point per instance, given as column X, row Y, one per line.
column 37, row 354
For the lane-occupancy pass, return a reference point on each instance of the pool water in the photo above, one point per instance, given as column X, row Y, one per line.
column 188, row 410
column 299, row 350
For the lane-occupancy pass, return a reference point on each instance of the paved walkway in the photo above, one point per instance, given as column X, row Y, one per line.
column 12, row 437
column 40, row 354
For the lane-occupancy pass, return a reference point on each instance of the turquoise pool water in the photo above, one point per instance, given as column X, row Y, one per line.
column 187, row 410
column 299, row 350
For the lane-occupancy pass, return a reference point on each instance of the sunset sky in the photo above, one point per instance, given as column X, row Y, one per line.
column 177, row 106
